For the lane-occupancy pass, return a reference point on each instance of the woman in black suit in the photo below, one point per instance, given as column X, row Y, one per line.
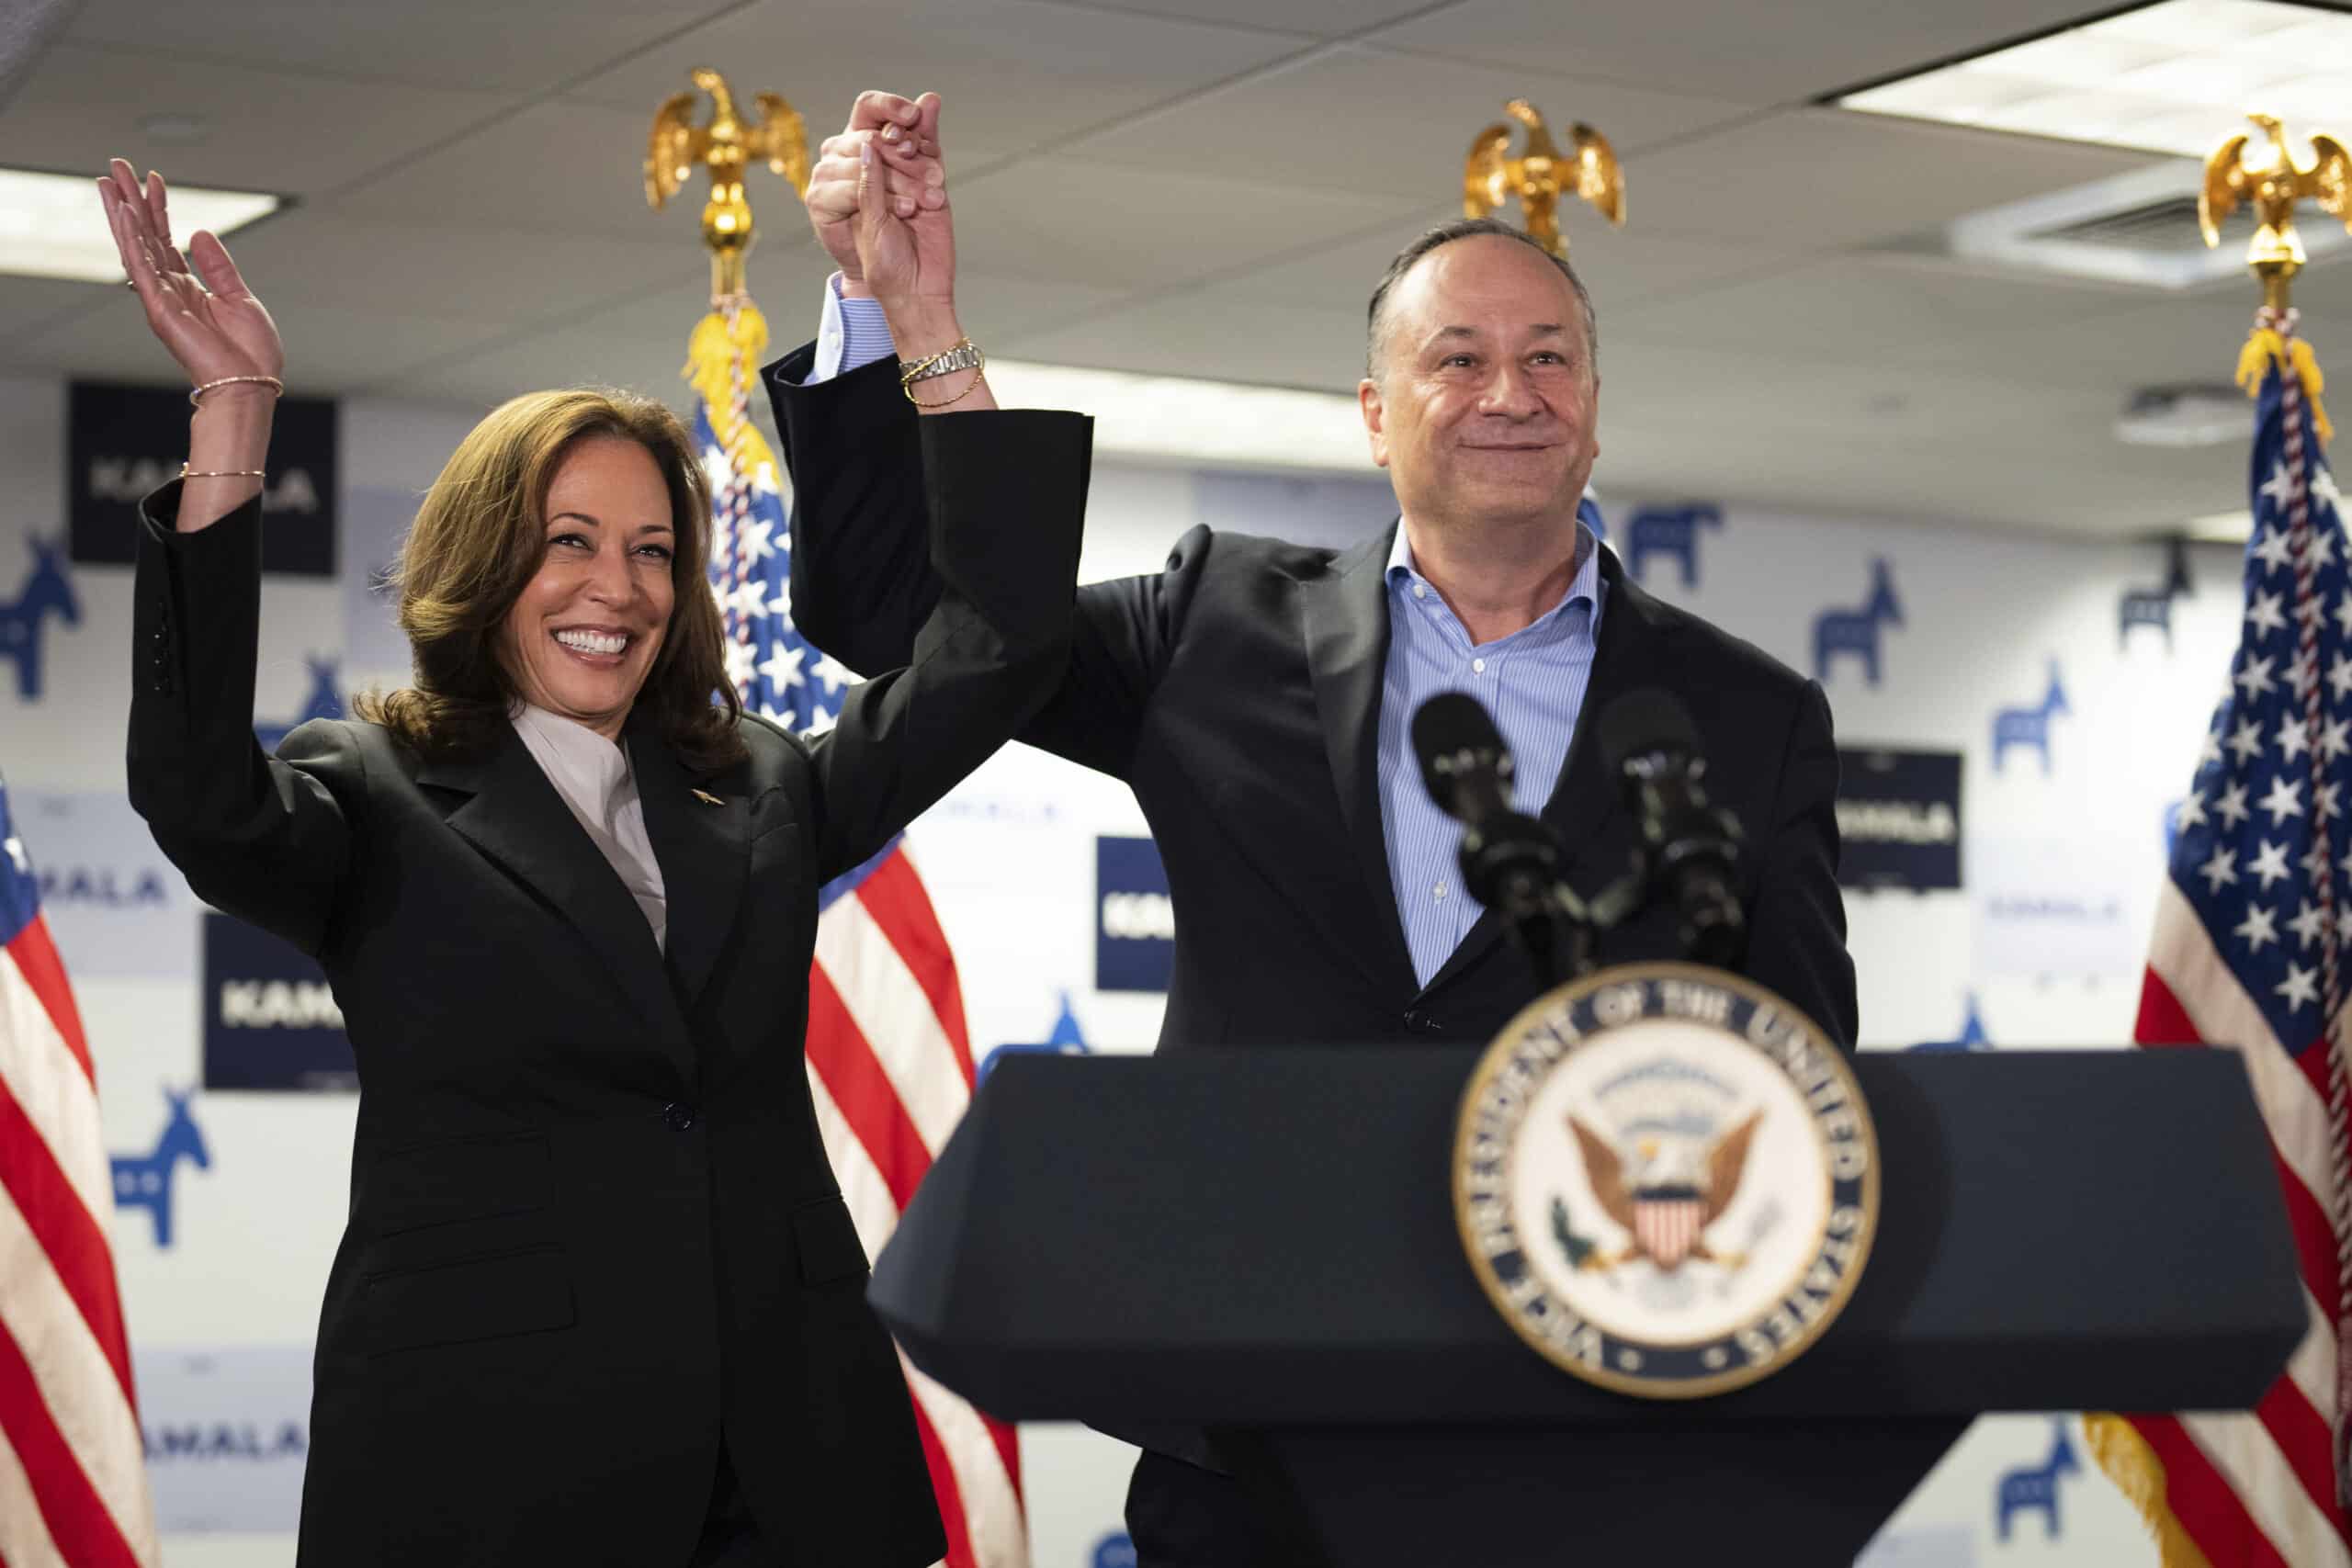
column 598, row 1300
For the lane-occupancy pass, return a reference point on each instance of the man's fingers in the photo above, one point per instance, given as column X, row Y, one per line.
column 927, row 118
column 872, row 110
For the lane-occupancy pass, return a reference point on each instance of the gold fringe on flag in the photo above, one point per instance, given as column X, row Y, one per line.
column 2139, row 1474
column 719, row 344
column 2265, row 348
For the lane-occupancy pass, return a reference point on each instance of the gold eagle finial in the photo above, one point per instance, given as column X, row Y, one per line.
column 1540, row 177
column 2270, row 181
column 727, row 145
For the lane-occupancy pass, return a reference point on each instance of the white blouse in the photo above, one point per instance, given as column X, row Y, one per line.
column 593, row 776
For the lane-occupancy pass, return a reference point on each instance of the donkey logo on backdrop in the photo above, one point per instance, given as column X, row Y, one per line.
column 2153, row 606
column 47, row 591
column 144, row 1182
column 323, row 702
column 1972, row 1035
column 1065, row 1039
column 2030, row 727
column 2026, row 1487
column 1668, row 531
column 1857, row 631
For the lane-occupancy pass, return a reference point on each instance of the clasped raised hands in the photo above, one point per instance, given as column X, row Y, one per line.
column 877, row 200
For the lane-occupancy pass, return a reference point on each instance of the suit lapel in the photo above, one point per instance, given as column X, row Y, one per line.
column 1346, row 612
column 703, row 850
column 515, row 818
column 1583, row 805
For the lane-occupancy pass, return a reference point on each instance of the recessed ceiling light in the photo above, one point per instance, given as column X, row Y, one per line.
column 2174, row 77
column 2221, row 528
column 52, row 225
column 2186, row 416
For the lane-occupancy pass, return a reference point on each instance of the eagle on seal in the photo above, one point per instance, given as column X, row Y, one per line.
column 1667, row 1218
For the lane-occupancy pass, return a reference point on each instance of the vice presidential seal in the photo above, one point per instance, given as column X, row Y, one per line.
column 1666, row 1179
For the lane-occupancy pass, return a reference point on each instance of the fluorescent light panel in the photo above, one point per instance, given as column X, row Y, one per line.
column 2175, row 78
column 2222, row 528
column 53, row 226
column 1174, row 419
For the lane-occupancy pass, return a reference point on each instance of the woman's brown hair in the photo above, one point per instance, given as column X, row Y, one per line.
column 479, row 539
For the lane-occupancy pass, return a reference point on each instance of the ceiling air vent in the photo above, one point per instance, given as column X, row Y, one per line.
column 2138, row 229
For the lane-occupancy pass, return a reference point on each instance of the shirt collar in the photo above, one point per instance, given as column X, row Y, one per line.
column 1583, row 588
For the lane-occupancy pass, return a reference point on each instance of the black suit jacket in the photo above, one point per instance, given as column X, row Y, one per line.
column 1237, row 691
column 592, row 1230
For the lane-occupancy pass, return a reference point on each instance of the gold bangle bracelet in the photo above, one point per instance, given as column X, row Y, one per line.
column 978, row 377
column 272, row 382
column 189, row 473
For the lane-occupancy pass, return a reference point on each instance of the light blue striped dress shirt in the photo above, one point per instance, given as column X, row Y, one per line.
column 1533, row 682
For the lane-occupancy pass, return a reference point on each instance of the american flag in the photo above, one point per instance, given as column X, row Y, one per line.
column 889, row 1064
column 2251, row 926
column 73, row 1482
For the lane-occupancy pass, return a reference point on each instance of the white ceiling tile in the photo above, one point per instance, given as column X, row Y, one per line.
column 1754, row 53
column 460, row 44
column 1094, row 223
column 1818, row 178
column 27, row 304
column 1369, row 120
column 329, row 349
column 566, row 168
column 1856, row 310
column 1215, row 336
column 1010, row 73
column 1620, row 266
column 498, row 275
column 1319, row 18
column 273, row 130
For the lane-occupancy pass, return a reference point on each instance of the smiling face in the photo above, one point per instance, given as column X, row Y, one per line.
column 1484, row 407
column 587, row 628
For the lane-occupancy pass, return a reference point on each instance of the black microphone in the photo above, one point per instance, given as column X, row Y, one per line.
column 1509, row 861
column 1648, row 742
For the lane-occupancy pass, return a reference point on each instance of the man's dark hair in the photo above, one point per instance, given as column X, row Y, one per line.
column 1377, row 327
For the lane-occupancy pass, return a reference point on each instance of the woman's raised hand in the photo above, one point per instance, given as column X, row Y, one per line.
column 207, row 318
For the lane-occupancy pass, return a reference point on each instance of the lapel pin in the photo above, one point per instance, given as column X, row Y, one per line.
column 707, row 798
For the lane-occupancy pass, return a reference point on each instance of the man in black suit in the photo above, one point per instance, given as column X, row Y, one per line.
column 1255, row 695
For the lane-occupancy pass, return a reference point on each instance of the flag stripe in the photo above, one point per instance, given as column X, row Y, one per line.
column 839, row 1054
column 2312, row 1368
column 943, row 1488
column 36, row 958
column 893, row 1013
column 64, row 1230
column 2184, row 957
column 993, row 1515
column 2247, row 1456
column 36, row 1064
column 77, row 1517
column 24, row 1539
column 2200, row 1498
column 895, row 898
column 2300, row 1439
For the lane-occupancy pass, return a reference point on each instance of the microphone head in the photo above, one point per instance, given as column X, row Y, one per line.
column 1644, row 722
column 1453, row 738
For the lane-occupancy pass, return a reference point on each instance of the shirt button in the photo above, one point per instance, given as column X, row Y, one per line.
column 1438, row 891
column 680, row 1115
column 1479, row 665
column 1420, row 590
